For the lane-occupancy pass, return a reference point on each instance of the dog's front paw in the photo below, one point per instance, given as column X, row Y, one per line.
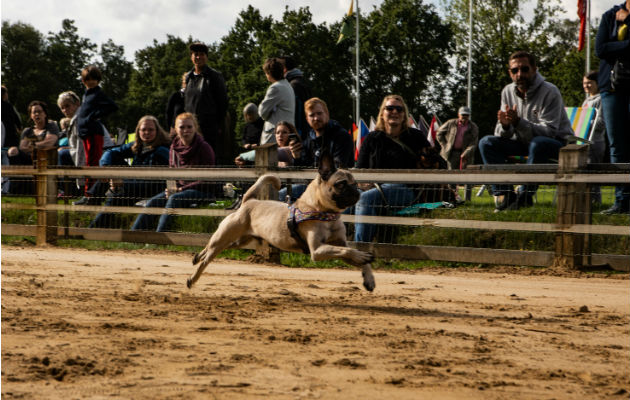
column 368, row 278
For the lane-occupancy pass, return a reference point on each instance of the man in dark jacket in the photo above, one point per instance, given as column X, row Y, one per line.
column 302, row 93
column 612, row 45
column 206, row 97
column 325, row 135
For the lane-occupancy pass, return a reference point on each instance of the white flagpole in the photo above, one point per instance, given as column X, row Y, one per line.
column 470, row 29
column 357, row 72
column 588, row 36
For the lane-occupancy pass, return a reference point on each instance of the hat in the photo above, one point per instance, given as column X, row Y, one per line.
column 464, row 110
column 198, row 46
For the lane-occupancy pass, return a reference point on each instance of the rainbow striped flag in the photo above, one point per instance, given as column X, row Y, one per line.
column 581, row 119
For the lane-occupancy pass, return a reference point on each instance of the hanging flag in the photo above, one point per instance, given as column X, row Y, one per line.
column 412, row 122
column 347, row 26
column 433, row 127
column 423, row 126
column 581, row 12
column 361, row 135
column 372, row 124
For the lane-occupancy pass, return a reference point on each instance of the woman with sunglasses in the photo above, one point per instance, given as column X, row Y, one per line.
column 393, row 145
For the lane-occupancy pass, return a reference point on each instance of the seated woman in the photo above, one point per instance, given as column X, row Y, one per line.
column 43, row 135
column 285, row 133
column 393, row 145
column 188, row 150
column 149, row 149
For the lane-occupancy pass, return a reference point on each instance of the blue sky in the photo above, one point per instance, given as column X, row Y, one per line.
column 134, row 24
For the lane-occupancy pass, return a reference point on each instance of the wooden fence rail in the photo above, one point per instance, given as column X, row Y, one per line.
column 572, row 227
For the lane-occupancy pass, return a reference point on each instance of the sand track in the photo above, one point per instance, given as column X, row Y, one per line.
column 114, row 324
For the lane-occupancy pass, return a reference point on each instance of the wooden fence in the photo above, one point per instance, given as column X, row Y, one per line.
column 572, row 228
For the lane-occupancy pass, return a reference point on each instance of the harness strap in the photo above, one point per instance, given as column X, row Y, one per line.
column 296, row 217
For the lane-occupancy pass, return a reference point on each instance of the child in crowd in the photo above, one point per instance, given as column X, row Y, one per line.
column 253, row 126
column 95, row 106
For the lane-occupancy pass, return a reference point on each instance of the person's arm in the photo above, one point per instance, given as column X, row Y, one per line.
column 549, row 119
column 343, row 150
column 104, row 106
column 115, row 154
column 269, row 103
column 606, row 49
column 441, row 134
column 220, row 94
column 469, row 152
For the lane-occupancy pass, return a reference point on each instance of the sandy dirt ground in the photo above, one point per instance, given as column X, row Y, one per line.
column 80, row 324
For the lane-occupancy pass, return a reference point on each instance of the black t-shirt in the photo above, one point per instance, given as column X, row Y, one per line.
column 379, row 151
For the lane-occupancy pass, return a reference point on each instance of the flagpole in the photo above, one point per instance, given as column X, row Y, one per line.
column 588, row 37
column 358, row 93
column 470, row 28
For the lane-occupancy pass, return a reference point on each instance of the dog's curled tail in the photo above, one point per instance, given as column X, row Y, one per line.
column 263, row 180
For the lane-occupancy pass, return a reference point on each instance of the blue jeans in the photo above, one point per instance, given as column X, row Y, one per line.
column 616, row 110
column 371, row 203
column 495, row 150
column 296, row 192
column 184, row 199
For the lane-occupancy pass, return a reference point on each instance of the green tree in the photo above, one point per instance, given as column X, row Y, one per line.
column 499, row 29
column 158, row 73
column 404, row 50
column 65, row 56
column 117, row 71
column 22, row 49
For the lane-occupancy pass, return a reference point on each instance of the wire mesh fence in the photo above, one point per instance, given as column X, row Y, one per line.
column 447, row 209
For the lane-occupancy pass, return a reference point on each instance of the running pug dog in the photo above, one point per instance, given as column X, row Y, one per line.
column 310, row 225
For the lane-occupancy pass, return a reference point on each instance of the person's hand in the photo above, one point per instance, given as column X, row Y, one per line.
column 296, row 148
column 13, row 151
column 463, row 161
column 239, row 162
column 502, row 117
column 512, row 115
column 621, row 15
column 365, row 186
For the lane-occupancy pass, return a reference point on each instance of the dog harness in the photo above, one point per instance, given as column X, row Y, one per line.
column 296, row 217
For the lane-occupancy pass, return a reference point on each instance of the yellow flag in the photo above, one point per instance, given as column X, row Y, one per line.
column 348, row 24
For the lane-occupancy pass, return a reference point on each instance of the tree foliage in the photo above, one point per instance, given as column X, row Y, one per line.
column 499, row 29
column 406, row 47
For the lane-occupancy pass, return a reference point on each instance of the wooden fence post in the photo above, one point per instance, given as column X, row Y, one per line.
column 573, row 207
column 267, row 156
column 46, row 193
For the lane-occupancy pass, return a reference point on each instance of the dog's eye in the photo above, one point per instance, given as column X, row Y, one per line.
column 340, row 185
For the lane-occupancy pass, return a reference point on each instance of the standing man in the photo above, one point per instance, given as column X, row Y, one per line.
column 206, row 97
column 458, row 139
column 302, row 93
column 612, row 46
column 532, row 122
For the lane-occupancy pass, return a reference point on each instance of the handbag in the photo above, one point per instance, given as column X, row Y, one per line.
column 620, row 76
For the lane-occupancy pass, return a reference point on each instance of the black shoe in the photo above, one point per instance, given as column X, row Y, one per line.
column 509, row 198
column 86, row 201
column 616, row 209
column 523, row 200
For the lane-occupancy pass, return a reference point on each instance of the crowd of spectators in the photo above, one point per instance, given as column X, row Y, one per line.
column 531, row 122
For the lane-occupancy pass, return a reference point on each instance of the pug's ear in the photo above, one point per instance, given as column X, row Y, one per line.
column 326, row 166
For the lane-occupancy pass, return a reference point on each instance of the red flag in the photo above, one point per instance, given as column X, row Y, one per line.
column 433, row 127
column 581, row 12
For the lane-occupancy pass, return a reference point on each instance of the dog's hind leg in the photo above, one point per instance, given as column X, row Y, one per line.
column 229, row 231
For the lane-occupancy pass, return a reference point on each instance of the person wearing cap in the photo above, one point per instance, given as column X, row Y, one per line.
column 458, row 139
column 206, row 97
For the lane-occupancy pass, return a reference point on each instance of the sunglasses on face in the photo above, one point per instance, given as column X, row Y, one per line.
column 392, row 108
column 524, row 69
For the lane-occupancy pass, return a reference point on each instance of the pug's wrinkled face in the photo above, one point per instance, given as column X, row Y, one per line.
column 343, row 189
